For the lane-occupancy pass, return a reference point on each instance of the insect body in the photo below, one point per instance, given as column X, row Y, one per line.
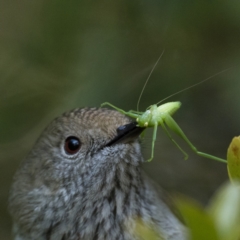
column 161, row 115
column 157, row 114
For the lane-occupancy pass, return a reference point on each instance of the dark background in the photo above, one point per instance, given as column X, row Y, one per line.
column 58, row 55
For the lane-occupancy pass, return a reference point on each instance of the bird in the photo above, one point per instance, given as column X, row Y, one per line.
column 82, row 180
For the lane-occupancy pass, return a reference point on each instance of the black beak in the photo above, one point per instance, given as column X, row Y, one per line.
column 126, row 133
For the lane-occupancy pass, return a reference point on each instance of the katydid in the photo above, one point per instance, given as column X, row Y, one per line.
column 161, row 115
column 156, row 116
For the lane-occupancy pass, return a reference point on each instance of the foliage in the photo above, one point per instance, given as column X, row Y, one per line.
column 233, row 157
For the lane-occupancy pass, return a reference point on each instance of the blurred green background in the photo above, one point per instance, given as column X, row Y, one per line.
column 59, row 55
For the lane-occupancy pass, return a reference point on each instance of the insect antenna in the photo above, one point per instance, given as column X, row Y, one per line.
column 194, row 85
column 140, row 96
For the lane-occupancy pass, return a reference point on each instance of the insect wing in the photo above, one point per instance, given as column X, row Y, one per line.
column 170, row 107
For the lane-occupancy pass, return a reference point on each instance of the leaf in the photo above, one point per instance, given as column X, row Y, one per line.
column 233, row 159
column 225, row 210
column 198, row 220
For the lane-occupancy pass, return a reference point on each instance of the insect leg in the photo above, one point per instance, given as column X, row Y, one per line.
column 174, row 142
column 130, row 114
column 153, row 140
column 133, row 111
column 175, row 127
column 116, row 108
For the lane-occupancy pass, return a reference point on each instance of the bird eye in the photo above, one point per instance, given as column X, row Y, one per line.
column 72, row 145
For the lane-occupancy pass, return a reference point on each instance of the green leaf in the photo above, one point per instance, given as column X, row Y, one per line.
column 233, row 159
column 225, row 209
column 198, row 220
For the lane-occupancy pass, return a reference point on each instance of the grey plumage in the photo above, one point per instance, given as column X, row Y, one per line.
column 95, row 193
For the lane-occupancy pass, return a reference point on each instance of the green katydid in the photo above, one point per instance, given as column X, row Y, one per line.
column 161, row 115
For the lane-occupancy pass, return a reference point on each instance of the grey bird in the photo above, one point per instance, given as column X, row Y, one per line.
column 83, row 181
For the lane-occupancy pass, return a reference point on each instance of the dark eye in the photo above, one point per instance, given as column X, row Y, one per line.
column 72, row 145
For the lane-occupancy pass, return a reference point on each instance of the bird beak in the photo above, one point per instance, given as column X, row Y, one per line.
column 126, row 133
